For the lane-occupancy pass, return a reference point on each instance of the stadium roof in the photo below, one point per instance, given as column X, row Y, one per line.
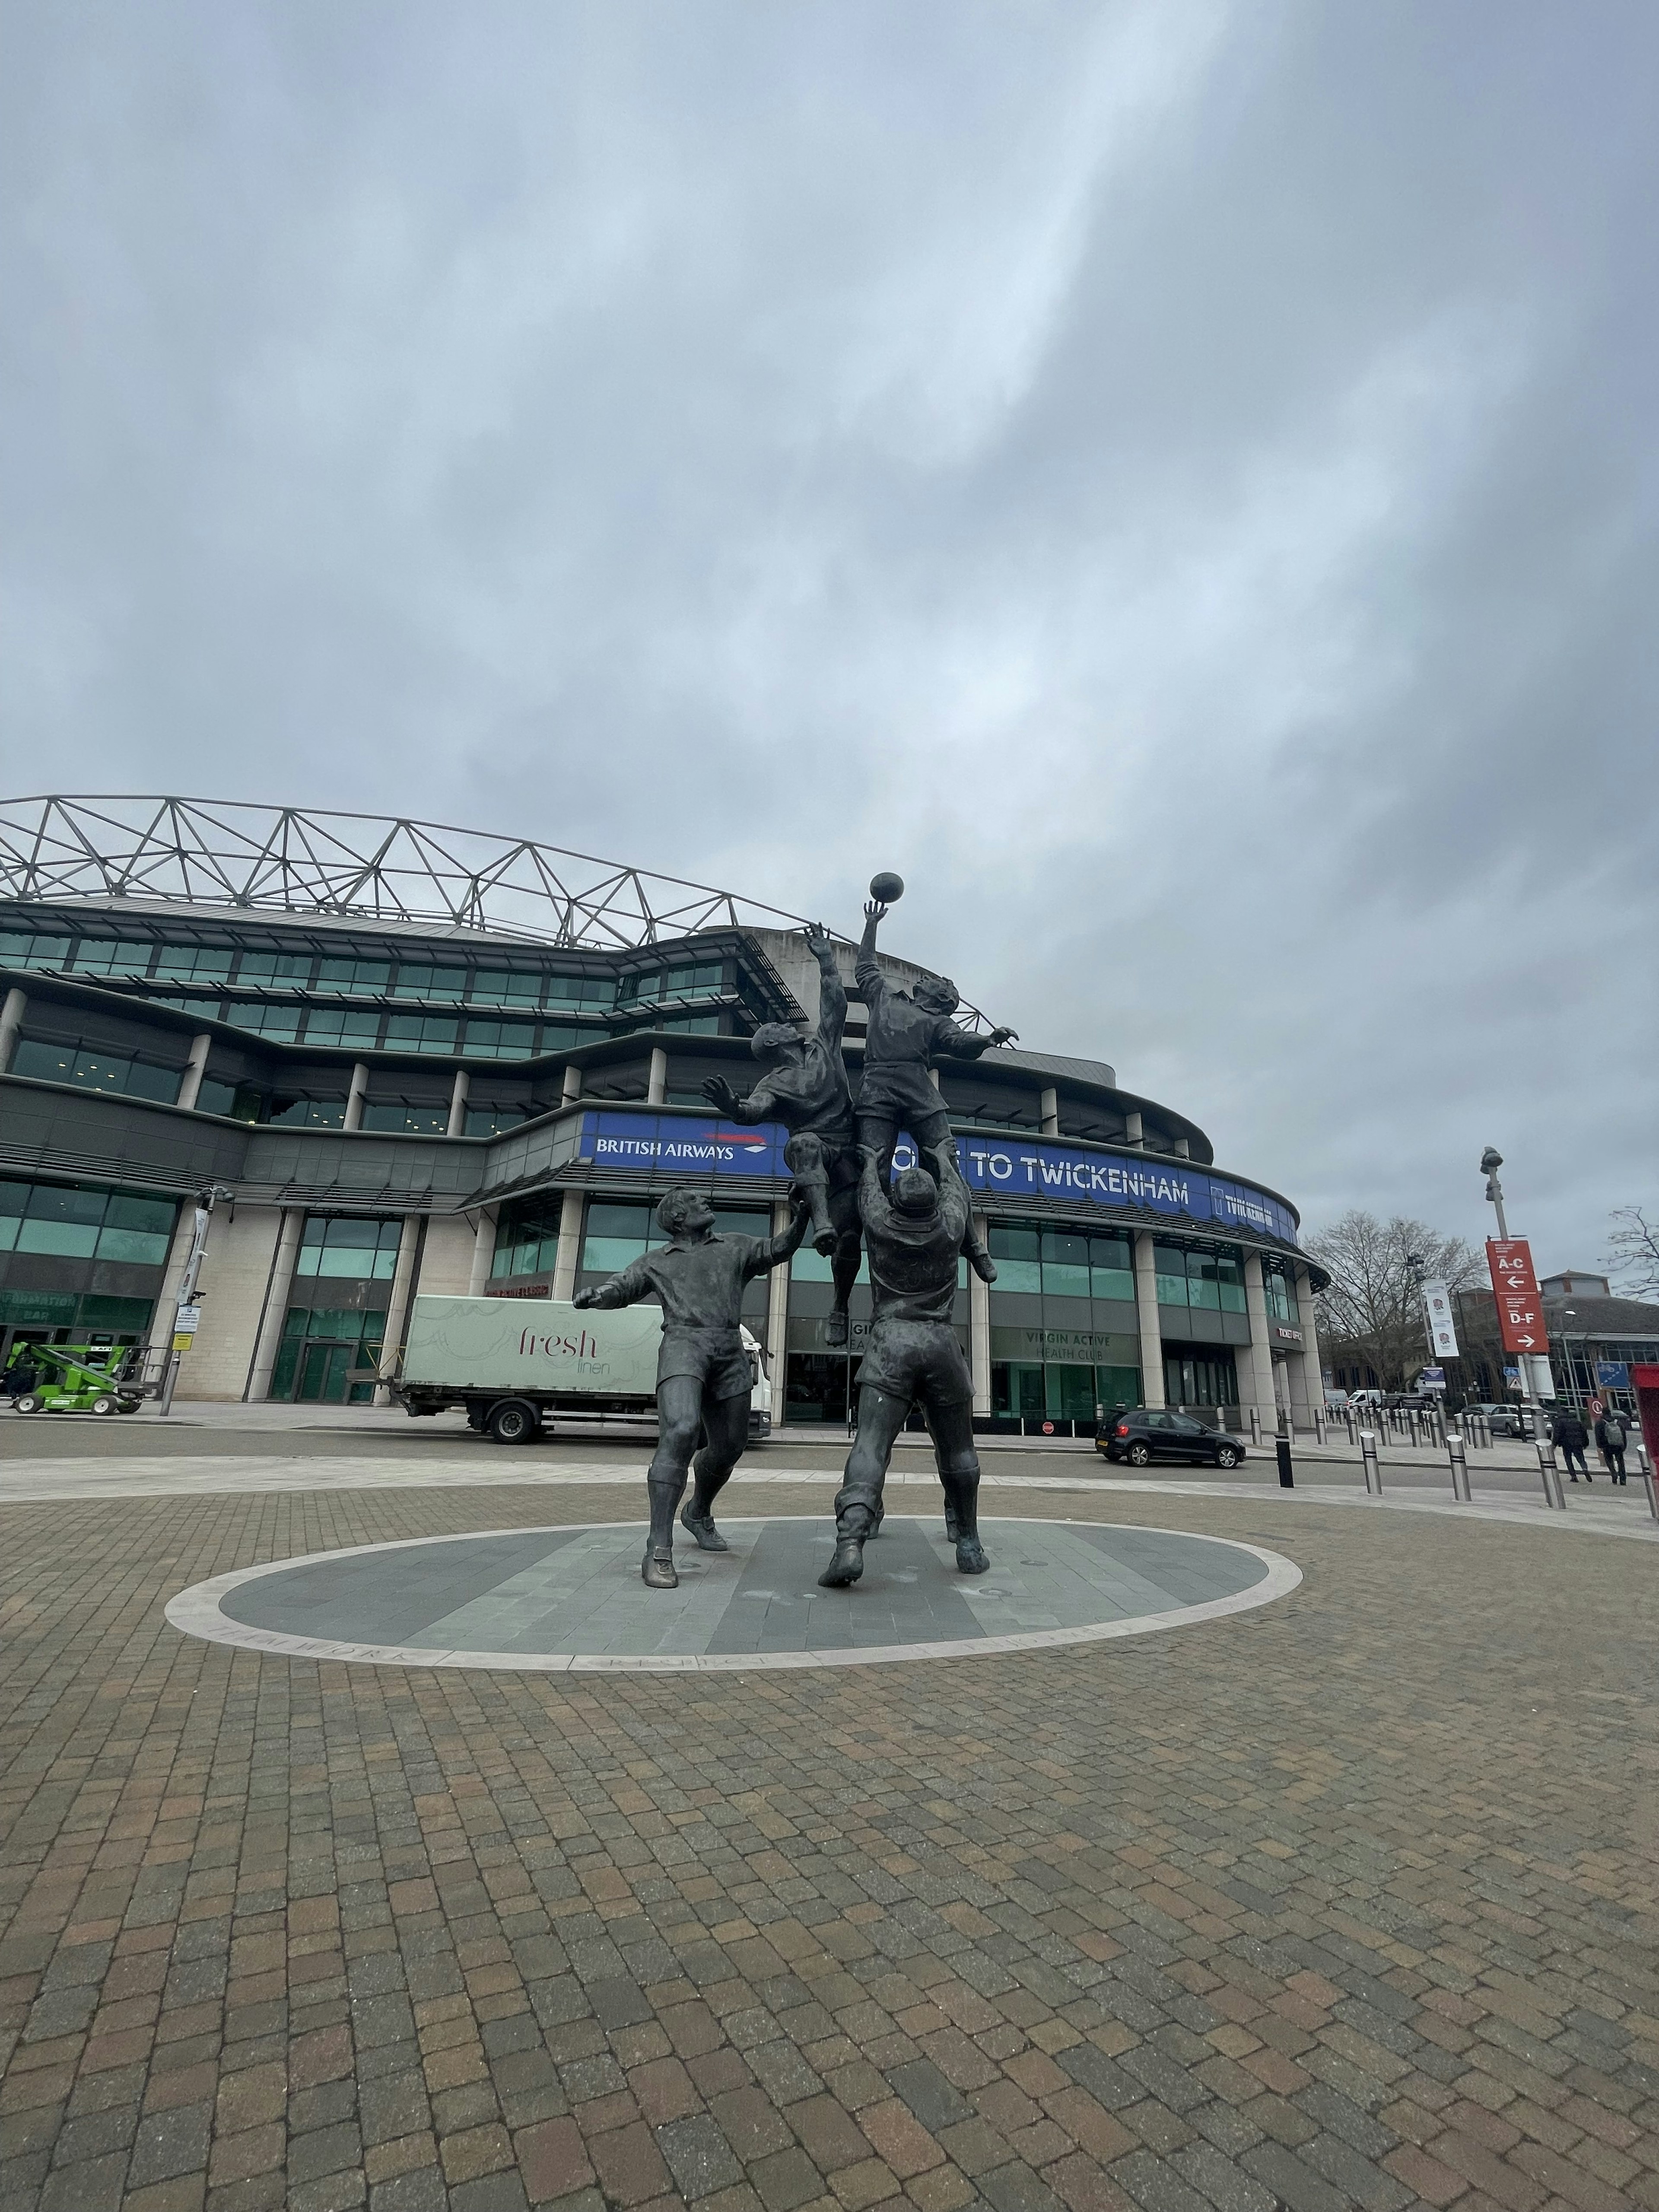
column 376, row 868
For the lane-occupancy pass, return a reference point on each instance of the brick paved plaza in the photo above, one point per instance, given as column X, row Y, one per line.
column 1348, row 1899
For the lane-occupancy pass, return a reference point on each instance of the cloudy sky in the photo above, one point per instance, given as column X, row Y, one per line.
column 1177, row 481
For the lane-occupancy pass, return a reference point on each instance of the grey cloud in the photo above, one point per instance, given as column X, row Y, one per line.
column 1200, row 458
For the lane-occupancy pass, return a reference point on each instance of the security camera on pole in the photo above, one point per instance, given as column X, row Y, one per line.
column 1515, row 1287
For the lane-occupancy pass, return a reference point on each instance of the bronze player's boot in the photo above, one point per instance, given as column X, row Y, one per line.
column 846, row 1566
column 657, row 1570
column 835, row 1327
column 701, row 1527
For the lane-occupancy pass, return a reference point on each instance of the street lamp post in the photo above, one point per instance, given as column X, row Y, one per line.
column 1491, row 1160
column 186, row 1295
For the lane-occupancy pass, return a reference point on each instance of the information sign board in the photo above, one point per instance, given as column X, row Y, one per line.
column 1515, row 1287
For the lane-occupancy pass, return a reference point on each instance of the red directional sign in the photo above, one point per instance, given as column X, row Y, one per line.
column 1510, row 1260
column 1520, row 1308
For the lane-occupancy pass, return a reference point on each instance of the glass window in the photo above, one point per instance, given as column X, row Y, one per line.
column 614, row 1236
column 693, row 1024
column 307, row 1113
column 145, row 1080
column 14, row 1197
column 1018, row 1256
column 348, row 1247
column 448, row 984
column 419, row 1033
column 492, row 1120
column 590, row 991
column 354, row 975
column 1230, row 1281
column 27, row 949
column 1064, row 1265
column 280, row 1024
column 1170, row 1263
column 505, row 987
column 407, row 1120
column 1279, row 1293
column 809, row 1266
column 290, row 968
column 108, row 955
column 1111, row 1268
column 499, row 1041
column 154, row 1215
column 237, row 1101
column 198, row 963
column 140, row 1247
column 1203, row 1290
column 326, row 1026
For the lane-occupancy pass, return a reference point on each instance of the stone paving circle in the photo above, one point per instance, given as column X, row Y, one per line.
column 557, row 1599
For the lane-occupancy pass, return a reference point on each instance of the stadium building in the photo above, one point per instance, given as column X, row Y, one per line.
column 415, row 1059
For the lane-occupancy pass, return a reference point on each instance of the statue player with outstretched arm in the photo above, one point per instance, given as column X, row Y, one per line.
column 805, row 1086
column 703, row 1378
column 914, row 1357
column 907, row 1032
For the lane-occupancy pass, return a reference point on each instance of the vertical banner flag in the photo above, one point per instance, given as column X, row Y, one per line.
column 1515, row 1287
column 1442, row 1329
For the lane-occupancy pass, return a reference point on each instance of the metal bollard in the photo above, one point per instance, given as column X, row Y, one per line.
column 1551, row 1474
column 1460, row 1468
column 1319, row 1426
column 1286, row 1480
column 1256, row 1428
column 1347, row 1415
column 1373, row 1473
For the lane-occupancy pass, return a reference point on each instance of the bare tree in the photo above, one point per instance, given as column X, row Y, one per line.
column 1632, row 1253
column 1372, row 1307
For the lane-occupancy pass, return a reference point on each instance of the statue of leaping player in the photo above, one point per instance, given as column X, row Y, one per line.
column 805, row 1086
column 908, row 1031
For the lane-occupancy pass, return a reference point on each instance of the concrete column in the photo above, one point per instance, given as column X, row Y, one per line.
column 1133, row 1134
column 458, row 1103
column 573, row 1214
column 1181, row 1147
column 656, row 1089
column 571, row 1089
column 1313, row 1376
column 1152, row 1336
column 269, row 1339
column 777, row 1313
column 978, row 1326
column 356, row 1096
column 11, row 1020
column 483, row 1252
column 1260, row 1360
column 396, row 1311
column 189, row 1089
column 1049, row 1107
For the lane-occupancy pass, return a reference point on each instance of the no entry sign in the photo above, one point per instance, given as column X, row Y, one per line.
column 1515, row 1287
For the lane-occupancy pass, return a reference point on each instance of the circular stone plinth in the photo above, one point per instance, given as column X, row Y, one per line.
column 544, row 1600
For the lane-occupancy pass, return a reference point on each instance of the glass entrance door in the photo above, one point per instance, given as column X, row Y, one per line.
column 323, row 1373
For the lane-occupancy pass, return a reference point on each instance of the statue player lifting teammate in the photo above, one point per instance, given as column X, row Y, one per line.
column 806, row 1088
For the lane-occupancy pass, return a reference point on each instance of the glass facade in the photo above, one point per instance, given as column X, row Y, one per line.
column 336, row 1318
column 1278, row 1289
column 91, row 1067
column 1205, row 1376
column 81, row 1259
column 1208, row 1278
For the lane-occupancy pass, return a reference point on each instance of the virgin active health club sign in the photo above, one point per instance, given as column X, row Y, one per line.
column 666, row 1146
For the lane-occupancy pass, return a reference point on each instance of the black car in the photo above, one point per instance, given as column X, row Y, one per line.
column 1143, row 1435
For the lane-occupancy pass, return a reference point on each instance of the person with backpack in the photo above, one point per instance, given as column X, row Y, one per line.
column 1570, row 1435
column 1611, row 1437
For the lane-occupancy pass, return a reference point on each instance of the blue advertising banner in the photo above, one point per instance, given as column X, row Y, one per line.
column 675, row 1144
column 1612, row 1373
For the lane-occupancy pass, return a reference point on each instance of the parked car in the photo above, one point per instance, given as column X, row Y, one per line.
column 1142, row 1436
column 1411, row 1401
column 1507, row 1420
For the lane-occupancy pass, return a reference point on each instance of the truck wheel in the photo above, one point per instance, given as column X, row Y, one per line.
column 514, row 1421
column 30, row 1402
column 129, row 1405
column 103, row 1405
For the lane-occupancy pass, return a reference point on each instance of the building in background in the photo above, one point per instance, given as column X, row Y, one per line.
column 430, row 1060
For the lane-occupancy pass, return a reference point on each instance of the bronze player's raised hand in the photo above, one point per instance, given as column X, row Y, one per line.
column 819, row 943
column 719, row 1092
column 1004, row 1036
column 874, row 911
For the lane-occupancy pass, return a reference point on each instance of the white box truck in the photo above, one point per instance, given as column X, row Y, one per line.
column 522, row 1367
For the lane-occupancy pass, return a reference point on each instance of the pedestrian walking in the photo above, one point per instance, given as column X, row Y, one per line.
column 1610, row 1440
column 1570, row 1435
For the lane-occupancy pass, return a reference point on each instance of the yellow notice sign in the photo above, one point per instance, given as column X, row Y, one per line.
column 182, row 1340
